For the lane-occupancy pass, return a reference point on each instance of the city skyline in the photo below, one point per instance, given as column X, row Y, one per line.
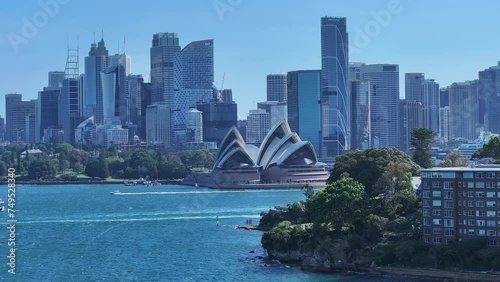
column 390, row 40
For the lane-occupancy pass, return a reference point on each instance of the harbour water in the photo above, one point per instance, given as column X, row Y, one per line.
column 162, row 233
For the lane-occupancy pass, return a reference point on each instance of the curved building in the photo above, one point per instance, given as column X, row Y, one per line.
column 281, row 158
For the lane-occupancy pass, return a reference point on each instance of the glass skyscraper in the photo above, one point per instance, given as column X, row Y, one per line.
column 276, row 87
column 164, row 48
column 335, row 94
column 304, row 115
column 95, row 63
column 361, row 138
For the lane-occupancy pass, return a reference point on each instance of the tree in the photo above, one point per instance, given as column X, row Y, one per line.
column 97, row 169
column 41, row 168
column 342, row 203
column 421, row 140
column 454, row 159
column 490, row 150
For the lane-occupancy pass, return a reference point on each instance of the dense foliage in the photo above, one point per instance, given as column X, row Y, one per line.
column 67, row 163
column 490, row 150
column 369, row 212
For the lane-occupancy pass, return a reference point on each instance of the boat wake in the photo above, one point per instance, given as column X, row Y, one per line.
column 198, row 192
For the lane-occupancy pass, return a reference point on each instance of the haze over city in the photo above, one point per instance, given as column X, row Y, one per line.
column 451, row 43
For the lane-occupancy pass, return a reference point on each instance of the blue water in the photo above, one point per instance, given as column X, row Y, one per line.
column 163, row 233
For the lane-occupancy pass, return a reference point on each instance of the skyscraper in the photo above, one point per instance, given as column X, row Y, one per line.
column 46, row 110
column 361, row 138
column 113, row 93
column 194, row 122
column 133, row 96
column 145, row 102
column 164, row 48
column 444, row 123
column 30, row 128
column 413, row 86
column 68, row 105
column 276, row 87
column 384, row 83
column 489, row 98
column 158, row 124
column 56, row 78
column 430, row 103
column 218, row 118
column 411, row 117
column 121, row 59
column 16, row 111
column 464, row 110
column 303, row 102
column 258, row 124
column 335, row 96
column 277, row 111
column 95, row 63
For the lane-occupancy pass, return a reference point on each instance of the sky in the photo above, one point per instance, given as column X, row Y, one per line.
column 449, row 41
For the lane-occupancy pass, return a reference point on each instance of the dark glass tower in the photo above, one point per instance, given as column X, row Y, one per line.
column 335, row 94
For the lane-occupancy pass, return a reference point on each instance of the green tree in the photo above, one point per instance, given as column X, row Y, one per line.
column 490, row 150
column 421, row 140
column 341, row 204
column 454, row 159
column 41, row 169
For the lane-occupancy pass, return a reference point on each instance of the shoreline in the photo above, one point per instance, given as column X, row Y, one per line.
column 55, row 182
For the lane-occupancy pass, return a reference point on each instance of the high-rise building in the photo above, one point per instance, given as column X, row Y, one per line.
column 444, row 96
column 464, row 110
column 278, row 111
column 384, row 83
column 56, row 78
column 121, row 59
column 165, row 47
column 16, row 111
column 68, row 105
column 30, row 128
column 227, row 95
column 355, row 70
column 2, row 129
column 430, row 103
column 95, row 63
column 335, row 93
column 158, row 117
column 258, row 124
column 361, row 138
column 410, row 117
column 276, row 87
column 46, row 111
column 489, row 98
column 113, row 93
column 194, row 123
column 413, row 86
column 303, row 103
column 145, row 102
column 444, row 123
column 218, row 118
column 133, row 96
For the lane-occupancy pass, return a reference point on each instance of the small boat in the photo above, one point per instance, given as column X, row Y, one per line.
column 115, row 192
column 130, row 183
column 2, row 208
column 196, row 185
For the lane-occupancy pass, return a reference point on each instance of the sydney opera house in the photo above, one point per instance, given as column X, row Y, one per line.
column 282, row 158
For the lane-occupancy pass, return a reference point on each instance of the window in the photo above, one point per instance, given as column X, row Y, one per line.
column 481, row 232
column 470, row 213
column 437, row 231
column 470, row 194
column 436, row 184
column 490, row 175
column 479, row 184
column 448, row 195
column 427, row 240
column 492, row 242
column 471, row 222
column 491, row 223
column 436, row 212
column 448, row 213
column 470, row 203
column 490, row 204
column 480, row 204
column 436, row 221
column 480, row 194
column 426, row 194
column 480, row 174
column 449, row 232
column 480, row 213
column 426, row 203
column 427, row 212
column 490, row 194
column 437, row 240
column 480, row 222
column 427, row 221
column 436, row 203
column 448, row 185
column 436, row 193
column 472, row 231
column 490, row 213
column 450, row 223
column 470, row 184
column 468, row 175
column 448, row 240
column 449, row 204
column 448, row 175
column 427, row 231
column 492, row 233
column 491, row 185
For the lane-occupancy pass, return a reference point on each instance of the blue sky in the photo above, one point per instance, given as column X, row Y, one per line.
column 447, row 40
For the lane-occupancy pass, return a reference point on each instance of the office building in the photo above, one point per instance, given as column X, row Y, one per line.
column 113, row 94
column 95, row 63
column 444, row 123
column 46, row 110
column 164, row 48
column 194, row 123
column 2, row 129
column 384, row 83
column 258, row 124
column 444, row 97
column 133, row 95
column 55, row 79
column 145, row 102
column 278, row 111
column 361, row 138
column 158, row 117
column 464, row 110
column 304, row 111
column 460, row 203
column 30, row 128
column 218, row 118
column 227, row 95
column 411, row 117
column 335, row 93
column 68, row 105
column 413, row 86
column 431, row 104
column 355, row 70
column 16, row 111
column 276, row 87
column 121, row 59
column 489, row 98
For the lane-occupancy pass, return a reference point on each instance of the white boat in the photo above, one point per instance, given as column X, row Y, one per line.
column 115, row 192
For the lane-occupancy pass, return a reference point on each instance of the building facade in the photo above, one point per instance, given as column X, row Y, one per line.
column 410, row 117
column 464, row 110
column 95, row 63
column 218, row 118
column 16, row 111
column 489, row 97
column 361, row 136
column 384, row 83
column 258, row 124
column 444, row 123
column 413, row 86
column 56, row 78
column 158, row 116
column 304, row 108
column 68, row 105
column 335, row 93
column 461, row 203
column 276, row 87
column 165, row 47
column 46, row 111
column 431, row 104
